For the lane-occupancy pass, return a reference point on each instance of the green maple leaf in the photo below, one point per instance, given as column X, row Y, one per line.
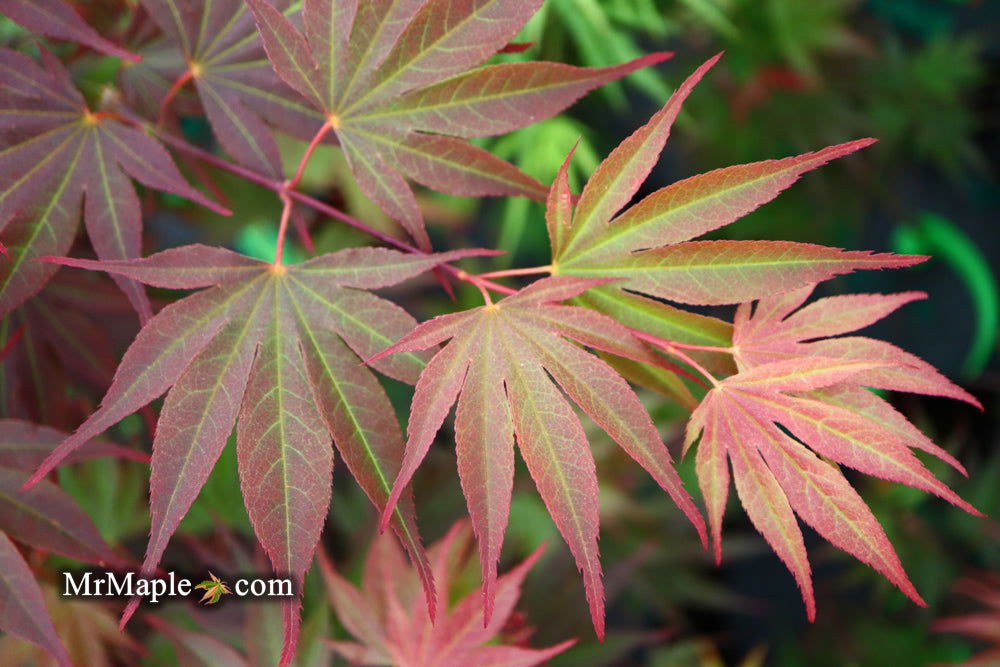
column 215, row 588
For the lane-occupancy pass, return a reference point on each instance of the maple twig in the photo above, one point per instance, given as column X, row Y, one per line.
column 669, row 347
column 288, row 186
column 286, row 213
column 486, row 294
column 318, row 137
column 483, row 284
column 322, row 207
column 531, row 270
column 171, row 93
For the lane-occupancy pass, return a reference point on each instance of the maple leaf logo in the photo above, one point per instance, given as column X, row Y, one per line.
column 215, row 588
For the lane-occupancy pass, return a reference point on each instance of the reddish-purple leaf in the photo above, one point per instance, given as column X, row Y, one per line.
column 457, row 167
column 154, row 361
column 497, row 366
column 873, row 407
column 907, row 372
column 287, row 50
column 363, row 424
column 437, row 389
column 57, row 19
column 559, row 206
column 721, row 272
column 197, row 417
column 767, row 506
column 187, row 267
column 818, row 491
column 775, row 475
column 855, row 441
column 484, row 432
column 276, row 350
column 774, row 334
column 70, row 150
column 610, row 402
column 22, row 608
column 390, row 625
column 197, row 648
column 620, row 175
column 649, row 247
column 400, row 84
column 711, row 464
column 285, row 458
column 500, row 98
column 800, row 374
column 442, row 39
column 372, row 268
column 24, row 445
column 222, row 54
column 47, row 518
column 691, row 207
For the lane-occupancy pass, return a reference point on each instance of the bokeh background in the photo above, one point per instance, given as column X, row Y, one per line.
column 923, row 76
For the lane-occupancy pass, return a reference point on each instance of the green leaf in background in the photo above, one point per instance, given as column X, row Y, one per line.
column 538, row 150
column 259, row 240
column 935, row 235
column 600, row 40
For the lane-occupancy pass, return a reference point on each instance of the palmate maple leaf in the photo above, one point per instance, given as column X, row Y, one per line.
column 390, row 623
column 216, row 46
column 53, row 150
column 56, row 340
column 46, row 518
column 277, row 347
column 215, row 588
column 805, row 386
column 649, row 246
column 394, row 81
column 498, row 367
column 57, row 19
column 773, row 332
column 816, row 392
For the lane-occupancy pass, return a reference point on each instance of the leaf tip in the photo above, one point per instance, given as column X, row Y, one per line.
column 35, row 478
column 130, row 609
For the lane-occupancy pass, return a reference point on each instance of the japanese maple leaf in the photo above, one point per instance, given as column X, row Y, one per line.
column 57, row 19
column 773, row 331
column 45, row 518
column 215, row 588
column 58, row 339
column 498, row 367
column 276, row 347
column 649, row 245
column 778, row 477
column 55, row 149
column 982, row 625
column 216, row 45
column 391, row 625
column 394, row 80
